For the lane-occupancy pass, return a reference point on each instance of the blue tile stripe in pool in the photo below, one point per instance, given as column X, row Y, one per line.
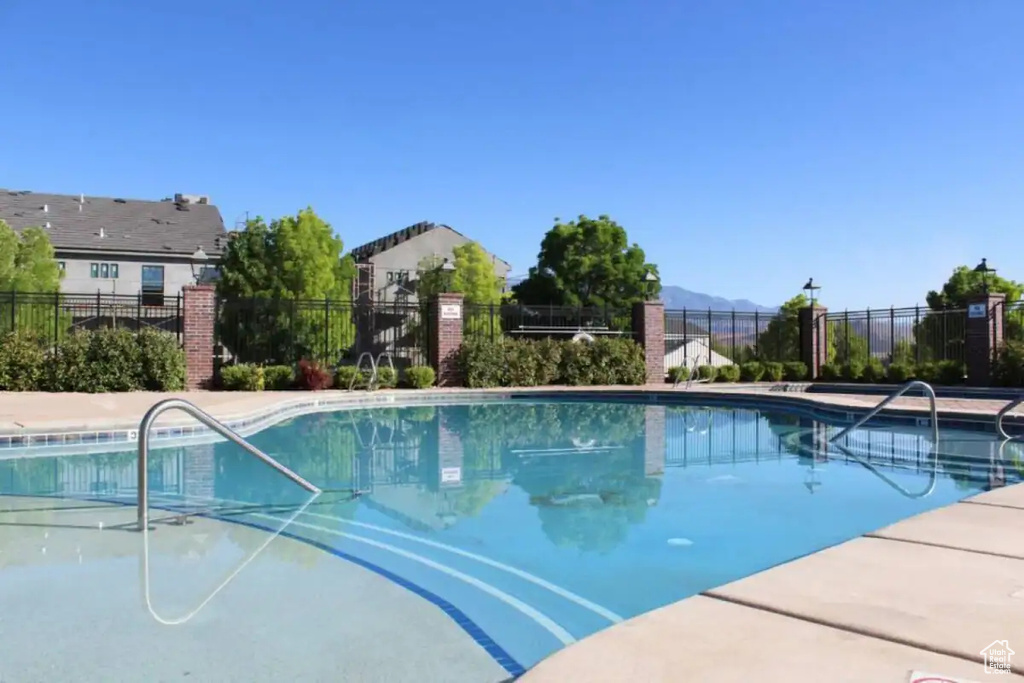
column 479, row 636
column 797, row 402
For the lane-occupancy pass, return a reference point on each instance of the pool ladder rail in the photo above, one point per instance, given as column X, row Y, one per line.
column 210, row 422
column 374, row 381
column 692, row 377
column 1000, row 429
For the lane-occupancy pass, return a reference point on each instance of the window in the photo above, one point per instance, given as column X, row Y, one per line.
column 152, row 285
column 100, row 270
column 60, row 264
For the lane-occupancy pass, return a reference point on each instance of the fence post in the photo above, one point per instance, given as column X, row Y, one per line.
column 14, row 311
column 984, row 336
column 327, row 332
column 446, row 337
column 813, row 339
column 649, row 332
column 917, row 346
column 56, row 318
column 892, row 333
column 199, row 313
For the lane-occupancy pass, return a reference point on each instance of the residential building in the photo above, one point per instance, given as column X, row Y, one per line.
column 388, row 266
column 124, row 246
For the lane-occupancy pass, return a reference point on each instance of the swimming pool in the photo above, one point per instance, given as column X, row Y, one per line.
column 534, row 523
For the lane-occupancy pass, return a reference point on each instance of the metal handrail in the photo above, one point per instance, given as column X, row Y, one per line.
column 212, row 423
column 694, row 371
column 359, row 363
column 928, row 392
column 932, row 477
column 391, row 364
column 1000, row 429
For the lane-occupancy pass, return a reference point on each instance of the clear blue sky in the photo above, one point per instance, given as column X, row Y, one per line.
column 745, row 145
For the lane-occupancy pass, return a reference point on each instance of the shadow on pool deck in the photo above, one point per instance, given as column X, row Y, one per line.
column 74, row 607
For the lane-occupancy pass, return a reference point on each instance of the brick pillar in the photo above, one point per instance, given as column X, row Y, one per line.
column 446, row 338
column 813, row 338
column 649, row 332
column 984, row 336
column 199, row 311
column 654, row 440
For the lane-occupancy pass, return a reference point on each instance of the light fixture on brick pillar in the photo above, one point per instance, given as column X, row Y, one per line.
column 811, row 288
column 650, row 277
column 447, row 273
column 199, row 259
column 984, row 270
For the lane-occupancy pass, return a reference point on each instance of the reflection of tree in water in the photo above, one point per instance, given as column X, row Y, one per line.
column 588, row 501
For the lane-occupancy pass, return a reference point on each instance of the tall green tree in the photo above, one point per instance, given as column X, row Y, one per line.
column 287, row 291
column 28, row 266
column 474, row 277
column 941, row 333
column 780, row 340
column 588, row 262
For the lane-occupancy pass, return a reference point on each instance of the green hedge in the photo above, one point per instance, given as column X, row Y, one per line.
column 1008, row 370
column 501, row 362
column 93, row 362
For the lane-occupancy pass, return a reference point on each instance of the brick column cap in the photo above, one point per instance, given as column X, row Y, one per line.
column 986, row 297
column 451, row 296
column 200, row 287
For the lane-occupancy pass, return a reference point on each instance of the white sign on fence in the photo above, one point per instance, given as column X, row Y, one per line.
column 451, row 475
column 451, row 311
column 977, row 311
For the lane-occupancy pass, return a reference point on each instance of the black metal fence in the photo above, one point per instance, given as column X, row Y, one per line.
column 896, row 335
column 698, row 337
column 538, row 322
column 55, row 315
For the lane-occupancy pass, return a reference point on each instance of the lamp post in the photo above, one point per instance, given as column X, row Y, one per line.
column 199, row 259
column 447, row 272
column 649, row 279
column 984, row 270
column 811, row 288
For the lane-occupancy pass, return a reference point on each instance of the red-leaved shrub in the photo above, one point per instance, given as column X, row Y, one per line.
column 313, row 376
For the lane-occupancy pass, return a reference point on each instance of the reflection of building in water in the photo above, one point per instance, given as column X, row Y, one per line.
column 654, row 440
column 107, row 474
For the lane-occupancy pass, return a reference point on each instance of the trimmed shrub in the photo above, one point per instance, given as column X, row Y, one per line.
column 279, row 377
column 774, row 371
column 162, row 361
column 69, row 365
column 618, row 361
column 950, row 372
column 1008, row 370
column 387, row 378
column 313, row 376
column 22, row 362
column 707, row 372
column 420, row 376
column 483, row 362
column 853, row 371
column 344, row 376
column 926, row 372
column 679, row 373
column 831, row 372
column 752, row 371
column 728, row 373
column 115, row 360
column 576, row 366
column 874, row 371
column 242, row 377
column 794, row 371
column 899, row 373
column 523, row 364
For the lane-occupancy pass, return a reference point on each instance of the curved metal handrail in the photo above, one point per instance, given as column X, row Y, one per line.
column 144, row 568
column 359, row 363
column 376, row 372
column 928, row 392
column 1000, row 429
column 694, row 371
column 932, row 477
column 212, row 423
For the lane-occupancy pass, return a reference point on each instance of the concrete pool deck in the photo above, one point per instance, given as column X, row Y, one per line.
column 925, row 595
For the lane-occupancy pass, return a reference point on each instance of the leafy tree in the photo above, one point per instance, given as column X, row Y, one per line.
column 845, row 344
column 473, row 277
column 27, row 264
column 780, row 340
column 940, row 334
column 287, row 290
column 588, row 262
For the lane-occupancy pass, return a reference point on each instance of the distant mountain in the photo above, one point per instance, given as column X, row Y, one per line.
column 676, row 298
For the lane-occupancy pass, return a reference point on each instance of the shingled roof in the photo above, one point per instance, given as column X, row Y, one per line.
column 84, row 223
column 382, row 244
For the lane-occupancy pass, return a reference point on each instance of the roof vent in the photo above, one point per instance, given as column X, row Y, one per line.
column 181, row 206
column 47, row 225
column 120, row 201
column 46, row 208
column 103, row 233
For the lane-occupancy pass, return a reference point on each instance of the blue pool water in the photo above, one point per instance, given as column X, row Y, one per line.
column 538, row 523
